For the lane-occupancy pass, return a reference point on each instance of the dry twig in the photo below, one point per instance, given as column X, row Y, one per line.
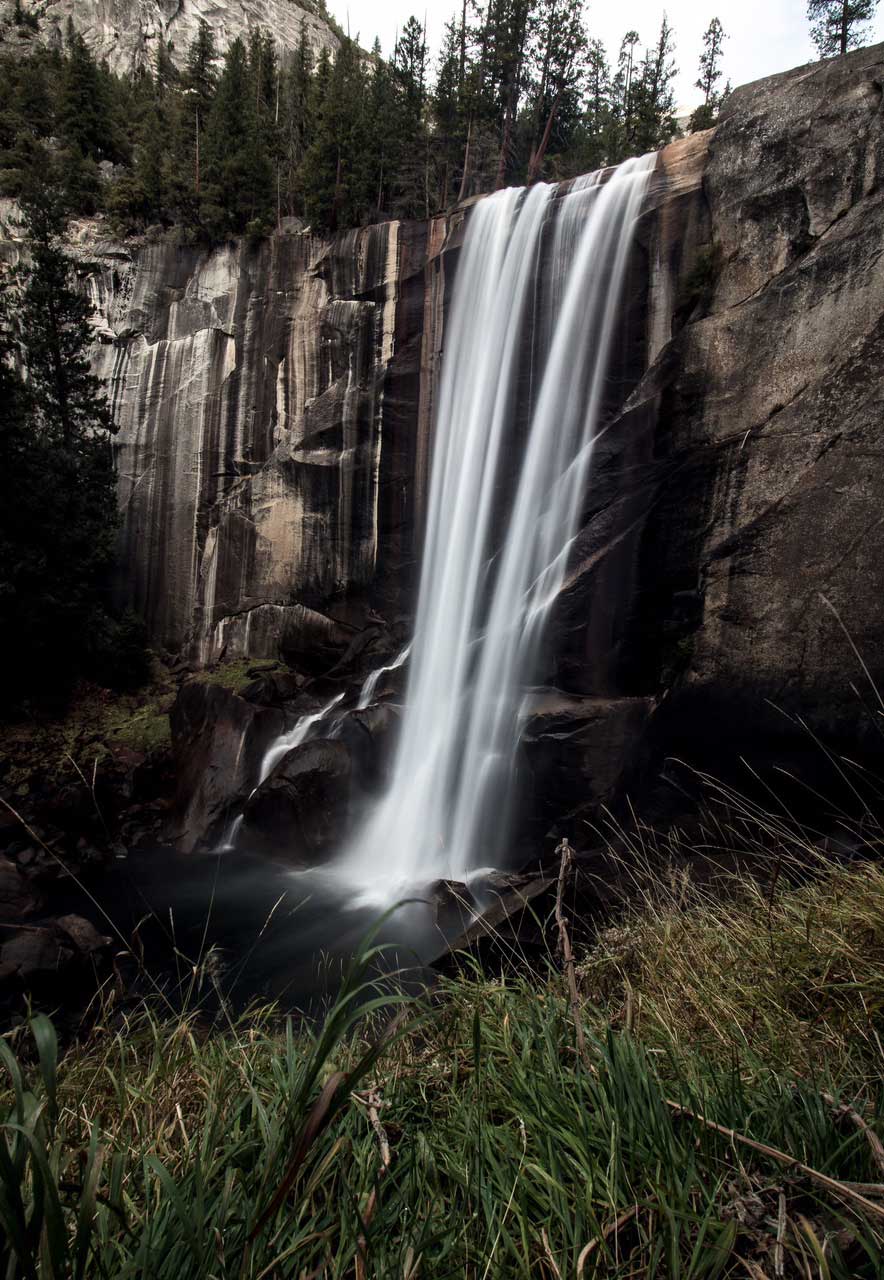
column 843, row 1189
column 373, row 1103
column 611, row 1229
column 843, row 1109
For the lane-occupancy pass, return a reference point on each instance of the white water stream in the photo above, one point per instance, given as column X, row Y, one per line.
column 287, row 742
column 369, row 689
column 531, row 264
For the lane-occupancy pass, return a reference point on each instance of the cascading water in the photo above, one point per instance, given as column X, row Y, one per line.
column 483, row 598
column 287, row 742
column 369, row 689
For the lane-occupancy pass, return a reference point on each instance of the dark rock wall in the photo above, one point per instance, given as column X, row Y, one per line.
column 768, row 441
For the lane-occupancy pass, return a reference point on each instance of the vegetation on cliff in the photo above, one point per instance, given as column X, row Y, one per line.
column 719, row 1113
column 519, row 91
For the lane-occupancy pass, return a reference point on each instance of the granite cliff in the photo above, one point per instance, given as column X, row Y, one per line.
column 275, row 407
column 127, row 33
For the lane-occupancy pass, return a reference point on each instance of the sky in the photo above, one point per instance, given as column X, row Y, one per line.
column 764, row 36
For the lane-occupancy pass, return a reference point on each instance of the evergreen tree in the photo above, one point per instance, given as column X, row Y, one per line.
column 835, row 25
column 412, row 196
column 57, row 492
column 654, row 95
column 296, row 123
column 623, row 100
column 560, row 64
column 238, row 192
column 197, row 95
column 594, row 139
column 385, row 140
column 166, row 77
column 83, row 108
column 448, row 112
column 265, row 75
column 710, row 73
column 336, row 170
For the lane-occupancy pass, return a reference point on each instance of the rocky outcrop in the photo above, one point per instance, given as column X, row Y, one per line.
column 300, row 811
column 766, row 532
column 219, row 739
column 127, row 33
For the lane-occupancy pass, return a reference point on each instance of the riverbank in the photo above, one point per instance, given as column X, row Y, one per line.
column 719, row 1114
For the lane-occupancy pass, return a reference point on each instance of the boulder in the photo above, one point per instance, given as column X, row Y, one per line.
column 83, row 934
column 218, row 740
column 35, row 953
column 370, row 736
column 581, row 752
column 300, row 812
column 19, row 897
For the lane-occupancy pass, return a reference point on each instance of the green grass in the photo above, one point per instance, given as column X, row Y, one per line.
column 474, row 1141
column 237, row 673
column 94, row 724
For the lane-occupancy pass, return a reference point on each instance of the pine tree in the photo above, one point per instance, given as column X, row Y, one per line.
column 385, row 141
column 410, row 71
column 198, row 90
column 296, row 123
column 654, row 96
column 238, row 193
column 166, row 77
column 594, row 139
column 82, row 107
column 448, row 112
column 57, row 491
column 834, row 24
column 560, row 65
column 710, row 73
column 623, row 100
column 337, row 167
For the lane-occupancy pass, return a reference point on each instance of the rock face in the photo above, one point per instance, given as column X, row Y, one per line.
column 301, row 809
column 128, row 32
column 766, row 523
column 219, row 739
column 273, row 418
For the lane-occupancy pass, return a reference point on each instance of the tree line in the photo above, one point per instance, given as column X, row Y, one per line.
column 58, row 505
column 232, row 144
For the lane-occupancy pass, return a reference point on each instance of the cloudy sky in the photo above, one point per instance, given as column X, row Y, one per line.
column 764, row 35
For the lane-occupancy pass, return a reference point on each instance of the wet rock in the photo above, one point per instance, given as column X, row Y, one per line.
column 36, row 953
column 370, row 737
column 19, row 897
column 582, row 752
column 274, row 688
column 83, row 934
column 300, row 813
column 218, row 740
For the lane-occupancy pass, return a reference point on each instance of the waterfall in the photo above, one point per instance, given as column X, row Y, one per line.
column 549, row 269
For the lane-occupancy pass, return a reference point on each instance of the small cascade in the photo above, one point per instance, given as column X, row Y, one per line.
column 366, row 696
column 287, row 742
column 533, row 321
column 228, row 844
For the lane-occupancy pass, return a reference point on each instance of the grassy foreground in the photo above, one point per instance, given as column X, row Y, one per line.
column 473, row 1138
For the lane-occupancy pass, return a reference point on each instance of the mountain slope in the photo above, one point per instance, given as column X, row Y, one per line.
column 127, row 32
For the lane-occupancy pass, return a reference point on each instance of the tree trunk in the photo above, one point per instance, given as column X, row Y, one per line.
column 844, row 24
column 538, row 156
column 466, row 164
